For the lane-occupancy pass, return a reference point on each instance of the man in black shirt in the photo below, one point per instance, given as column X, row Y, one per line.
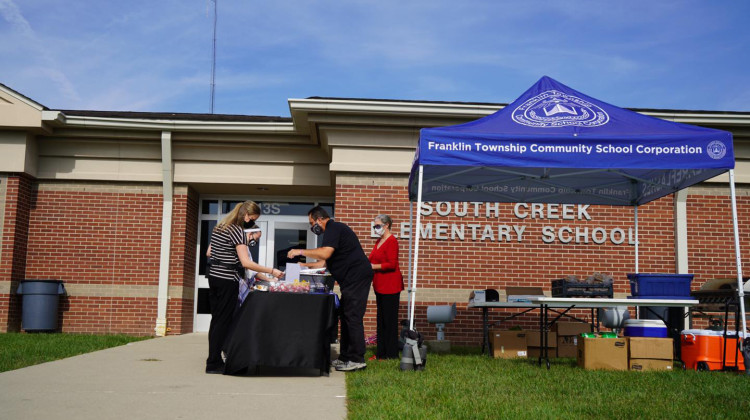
column 342, row 253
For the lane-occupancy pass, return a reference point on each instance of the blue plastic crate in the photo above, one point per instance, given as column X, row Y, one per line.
column 662, row 285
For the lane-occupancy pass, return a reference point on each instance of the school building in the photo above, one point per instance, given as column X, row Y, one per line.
column 119, row 206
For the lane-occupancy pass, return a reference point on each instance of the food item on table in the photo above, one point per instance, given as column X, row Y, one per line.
column 289, row 287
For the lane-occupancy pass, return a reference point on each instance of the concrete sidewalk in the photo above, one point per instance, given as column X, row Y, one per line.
column 162, row 378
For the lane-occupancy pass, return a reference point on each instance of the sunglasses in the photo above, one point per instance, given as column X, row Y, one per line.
column 377, row 226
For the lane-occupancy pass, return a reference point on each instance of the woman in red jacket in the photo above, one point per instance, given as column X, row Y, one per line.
column 388, row 284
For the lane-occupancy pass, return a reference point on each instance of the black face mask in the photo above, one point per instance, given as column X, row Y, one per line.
column 248, row 225
column 316, row 229
column 252, row 242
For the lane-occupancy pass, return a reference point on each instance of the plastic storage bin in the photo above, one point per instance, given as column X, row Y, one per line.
column 645, row 328
column 319, row 283
column 701, row 350
column 565, row 288
column 662, row 286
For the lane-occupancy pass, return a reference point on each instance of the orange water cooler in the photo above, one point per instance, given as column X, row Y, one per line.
column 701, row 350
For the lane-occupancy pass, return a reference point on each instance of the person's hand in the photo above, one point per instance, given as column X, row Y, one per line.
column 293, row 253
column 277, row 273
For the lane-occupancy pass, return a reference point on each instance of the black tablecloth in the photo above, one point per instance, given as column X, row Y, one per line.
column 289, row 330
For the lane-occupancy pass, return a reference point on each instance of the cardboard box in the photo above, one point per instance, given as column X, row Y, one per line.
column 508, row 344
column 535, row 352
column 534, row 344
column 524, row 290
column 650, row 364
column 522, row 293
column 647, row 353
column 477, row 296
column 568, row 333
column 571, row 328
column 650, row 348
column 567, row 345
column 602, row 353
column 533, row 339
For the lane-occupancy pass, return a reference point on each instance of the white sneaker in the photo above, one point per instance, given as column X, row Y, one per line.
column 351, row 366
column 337, row 363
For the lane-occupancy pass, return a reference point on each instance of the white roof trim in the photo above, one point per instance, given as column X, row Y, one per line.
column 298, row 107
column 179, row 125
column 390, row 107
column 21, row 98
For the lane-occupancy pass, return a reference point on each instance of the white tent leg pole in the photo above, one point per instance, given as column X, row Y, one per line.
column 740, row 283
column 411, row 255
column 636, row 238
column 417, row 231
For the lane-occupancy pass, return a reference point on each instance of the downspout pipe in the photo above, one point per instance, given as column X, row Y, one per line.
column 166, row 233
column 681, row 235
column 680, row 232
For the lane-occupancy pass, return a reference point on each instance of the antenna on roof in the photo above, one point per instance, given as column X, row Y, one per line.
column 213, row 62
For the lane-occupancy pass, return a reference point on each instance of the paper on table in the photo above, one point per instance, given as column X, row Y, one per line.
column 292, row 272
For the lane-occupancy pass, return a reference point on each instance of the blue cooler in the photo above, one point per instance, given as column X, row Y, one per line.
column 645, row 328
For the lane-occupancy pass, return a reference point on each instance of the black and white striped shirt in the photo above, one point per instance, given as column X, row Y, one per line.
column 224, row 250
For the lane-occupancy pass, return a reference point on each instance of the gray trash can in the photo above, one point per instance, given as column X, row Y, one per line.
column 40, row 302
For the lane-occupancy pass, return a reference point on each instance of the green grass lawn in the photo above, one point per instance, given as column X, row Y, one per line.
column 467, row 385
column 20, row 350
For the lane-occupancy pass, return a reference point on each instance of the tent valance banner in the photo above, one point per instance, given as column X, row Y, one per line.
column 555, row 144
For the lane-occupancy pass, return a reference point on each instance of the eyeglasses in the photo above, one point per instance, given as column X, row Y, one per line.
column 377, row 226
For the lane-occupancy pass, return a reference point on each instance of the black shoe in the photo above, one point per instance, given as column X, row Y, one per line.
column 216, row 370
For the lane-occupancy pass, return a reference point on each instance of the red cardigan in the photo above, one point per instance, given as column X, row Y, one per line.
column 388, row 279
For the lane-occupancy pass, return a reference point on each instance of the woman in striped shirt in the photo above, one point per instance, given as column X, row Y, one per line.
column 228, row 251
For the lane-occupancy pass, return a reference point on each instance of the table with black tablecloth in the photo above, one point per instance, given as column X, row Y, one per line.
column 286, row 330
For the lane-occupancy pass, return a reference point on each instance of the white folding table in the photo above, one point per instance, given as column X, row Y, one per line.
column 503, row 305
column 546, row 303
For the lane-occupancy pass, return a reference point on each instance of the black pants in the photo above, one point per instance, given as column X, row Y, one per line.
column 353, row 305
column 222, row 296
column 388, row 332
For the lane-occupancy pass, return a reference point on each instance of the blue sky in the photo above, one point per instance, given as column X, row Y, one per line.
column 155, row 55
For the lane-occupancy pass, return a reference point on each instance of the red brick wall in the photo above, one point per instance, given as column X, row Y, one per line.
column 711, row 249
column 182, row 263
column 95, row 241
column 532, row 262
column 104, row 243
column 108, row 315
column 18, row 198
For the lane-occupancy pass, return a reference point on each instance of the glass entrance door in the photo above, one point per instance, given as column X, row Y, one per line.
column 287, row 236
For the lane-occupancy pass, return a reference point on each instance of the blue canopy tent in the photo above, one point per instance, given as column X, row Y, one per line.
column 556, row 145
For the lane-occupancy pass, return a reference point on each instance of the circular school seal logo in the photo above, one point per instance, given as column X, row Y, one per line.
column 553, row 108
column 716, row 149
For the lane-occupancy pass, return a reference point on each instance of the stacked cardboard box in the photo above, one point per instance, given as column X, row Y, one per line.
column 534, row 344
column 646, row 353
column 508, row 344
column 568, row 334
column 603, row 353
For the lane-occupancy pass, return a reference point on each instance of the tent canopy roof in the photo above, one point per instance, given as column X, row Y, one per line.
column 556, row 145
